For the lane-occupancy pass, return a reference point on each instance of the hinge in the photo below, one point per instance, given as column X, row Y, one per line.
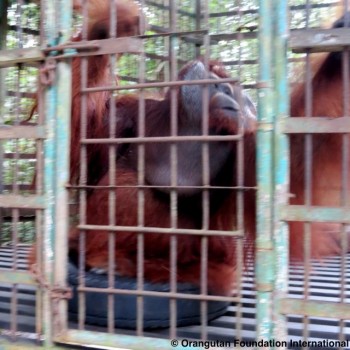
column 56, row 292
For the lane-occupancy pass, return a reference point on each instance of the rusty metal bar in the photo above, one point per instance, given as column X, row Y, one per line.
column 315, row 214
column 22, row 202
column 112, row 200
column 308, row 165
column 173, row 207
column 141, row 200
column 315, row 308
column 173, row 295
column 163, row 187
column 315, row 125
column 345, row 198
column 22, row 132
column 160, row 139
column 9, row 58
column 319, row 40
column 160, row 85
column 83, row 173
column 170, row 231
column 204, row 12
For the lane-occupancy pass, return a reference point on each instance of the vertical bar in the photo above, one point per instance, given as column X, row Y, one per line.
column 15, row 168
column 173, row 44
column 50, row 97
column 112, row 175
column 3, row 34
column 56, row 174
column 83, row 171
column 345, row 174
column 240, row 173
column 40, row 215
column 308, row 160
column 264, row 267
column 281, row 164
column 198, row 25
column 141, row 196
column 205, row 178
column 63, row 112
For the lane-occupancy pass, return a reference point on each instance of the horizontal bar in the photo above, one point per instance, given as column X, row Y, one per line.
column 21, row 201
column 319, row 40
column 16, row 277
column 167, row 139
column 150, row 293
column 116, row 341
column 10, row 58
column 176, row 34
column 98, row 47
column 170, row 231
column 25, row 214
column 240, row 12
column 22, row 132
column 315, row 125
column 24, row 341
column 310, row 308
column 160, row 84
column 167, row 8
column 314, row 214
column 13, row 155
column 20, row 187
column 142, row 187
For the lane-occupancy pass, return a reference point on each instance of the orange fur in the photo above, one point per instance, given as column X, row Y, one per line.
column 98, row 74
column 222, row 251
column 327, row 101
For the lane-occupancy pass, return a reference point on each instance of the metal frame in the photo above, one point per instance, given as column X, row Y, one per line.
column 51, row 199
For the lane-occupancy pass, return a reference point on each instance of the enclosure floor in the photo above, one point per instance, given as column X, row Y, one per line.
column 239, row 320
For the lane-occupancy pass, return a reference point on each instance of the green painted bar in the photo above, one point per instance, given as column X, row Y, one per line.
column 118, row 341
column 315, row 214
column 314, row 125
column 17, row 277
column 311, row 308
column 50, row 95
column 264, row 248
column 63, row 117
column 22, row 345
column 281, row 165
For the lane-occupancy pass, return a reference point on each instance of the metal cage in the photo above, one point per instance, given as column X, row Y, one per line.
column 267, row 48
